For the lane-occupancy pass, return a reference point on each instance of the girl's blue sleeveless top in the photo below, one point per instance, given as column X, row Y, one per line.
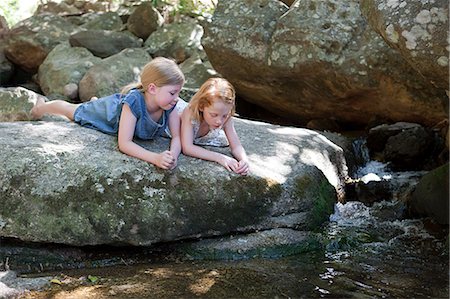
column 104, row 114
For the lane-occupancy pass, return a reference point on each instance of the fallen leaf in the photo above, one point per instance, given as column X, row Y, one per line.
column 56, row 281
column 92, row 278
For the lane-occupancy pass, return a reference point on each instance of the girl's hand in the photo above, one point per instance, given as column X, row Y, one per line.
column 166, row 160
column 242, row 167
column 229, row 163
column 175, row 161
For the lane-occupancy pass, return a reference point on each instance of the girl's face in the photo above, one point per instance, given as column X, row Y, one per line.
column 216, row 114
column 167, row 96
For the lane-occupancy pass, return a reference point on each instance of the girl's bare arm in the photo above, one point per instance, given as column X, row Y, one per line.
column 237, row 149
column 175, row 127
column 190, row 149
column 127, row 125
column 235, row 144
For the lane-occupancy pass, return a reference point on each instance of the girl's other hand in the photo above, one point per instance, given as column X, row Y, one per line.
column 229, row 163
column 166, row 160
column 242, row 167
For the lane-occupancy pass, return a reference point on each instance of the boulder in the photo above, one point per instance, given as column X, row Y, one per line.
column 71, row 7
column 144, row 20
column 378, row 135
column 430, row 198
column 103, row 21
column 104, row 43
column 406, row 146
column 63, row 183
column 16, row 103
column 272, row 243
column 409, row 148
column 177, row 40
column 64, row 65
column 30, row 40
column 112, row 73
column 416, row 29
column 61, row 9
column 197, row 70
column 314, row 58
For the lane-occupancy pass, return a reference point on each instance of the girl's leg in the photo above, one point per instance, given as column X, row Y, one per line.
column 56, row 107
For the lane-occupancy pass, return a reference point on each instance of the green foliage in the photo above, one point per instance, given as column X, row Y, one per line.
column 8, row 9
column 194, row 7
column 92, row 278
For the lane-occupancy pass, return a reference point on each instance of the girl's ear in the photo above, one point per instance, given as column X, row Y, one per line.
column 151, row 88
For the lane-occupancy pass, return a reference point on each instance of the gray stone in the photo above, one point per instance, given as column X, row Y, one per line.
column 177, row 40
column 71, row 91
column 32, row 39
column 63, row 183
column 104, row 43
column 266, row 244
column 197, row 71
column 16, row 103
column 315, row 58
column 103, row 21
column 113, row 73
column 431, row 196
column 418, row 30
column 144, row 20
column 62, row 66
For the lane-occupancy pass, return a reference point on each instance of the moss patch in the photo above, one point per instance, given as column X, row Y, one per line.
column 223, row 206
column 140, row 212
column 323, row 204
column 302, row 183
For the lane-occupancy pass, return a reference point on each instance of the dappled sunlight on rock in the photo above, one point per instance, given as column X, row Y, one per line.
column 321, row 161
column 54, row 149
column 292, row 131
column 136, row 71
column 314, row 149
column 278, row 166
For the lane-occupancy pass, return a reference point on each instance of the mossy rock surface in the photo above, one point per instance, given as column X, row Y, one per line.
column 63, row 183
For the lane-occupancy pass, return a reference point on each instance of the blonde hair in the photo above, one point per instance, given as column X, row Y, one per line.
column 212, row 90
column 159, row 71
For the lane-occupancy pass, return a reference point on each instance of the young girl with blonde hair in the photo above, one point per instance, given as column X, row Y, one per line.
column 141, row 110
column 207, row 117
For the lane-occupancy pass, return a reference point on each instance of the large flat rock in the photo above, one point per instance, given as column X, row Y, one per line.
column 63, row 183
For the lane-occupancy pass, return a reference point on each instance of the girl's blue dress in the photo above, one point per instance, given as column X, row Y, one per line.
column 103, row 114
